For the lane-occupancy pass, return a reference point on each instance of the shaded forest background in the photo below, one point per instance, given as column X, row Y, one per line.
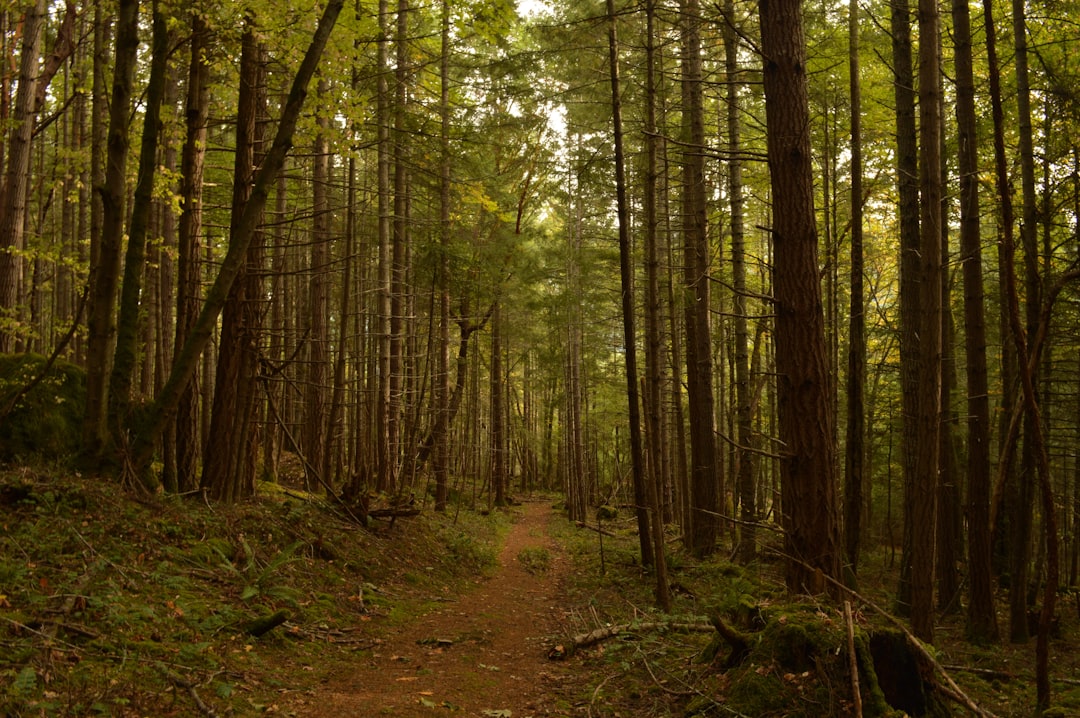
column 433, row 250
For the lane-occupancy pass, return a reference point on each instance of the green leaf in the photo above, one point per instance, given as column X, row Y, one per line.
column 498, row 713
column 25, row 684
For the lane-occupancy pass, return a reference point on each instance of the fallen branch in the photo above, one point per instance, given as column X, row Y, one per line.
column 597, row 529
column 189, row 686
column 984, row 672
column 853, row 661
column 599, row 635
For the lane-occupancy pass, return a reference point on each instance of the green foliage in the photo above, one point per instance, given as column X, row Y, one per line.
column 535, row 560
column 47, row 421
column 166, row 589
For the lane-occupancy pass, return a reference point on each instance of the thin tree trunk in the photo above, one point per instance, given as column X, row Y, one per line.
column 745, row 440
column 653, row 347
column 855, row 436
column 440, row 431
column 637, row 458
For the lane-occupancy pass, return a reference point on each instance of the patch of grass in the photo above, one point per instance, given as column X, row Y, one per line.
column 535, row 559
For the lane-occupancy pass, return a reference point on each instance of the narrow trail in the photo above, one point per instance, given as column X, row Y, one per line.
column 483, row 654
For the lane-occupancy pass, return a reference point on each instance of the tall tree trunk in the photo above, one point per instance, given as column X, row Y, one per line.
column 981, row 627
column 440, row 431
column 163, row 410
column 16, row 178
column 399, row 248
column 105, row 272
column 387, row 459
column 637, row 458
column 855, row 435
column 315, row 440
column 125, row 355
column 656, row 440
column 498, row 409
column 192, row 160
column 745, row 451
column 228, row 464
column 907, row 173
column 807, row 469
column 705, row 481
column 1021, row 538
column 922, row 513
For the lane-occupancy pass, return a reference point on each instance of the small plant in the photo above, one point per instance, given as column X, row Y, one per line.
column 536, row 560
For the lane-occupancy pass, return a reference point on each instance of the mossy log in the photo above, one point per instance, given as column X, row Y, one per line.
column 263, row 625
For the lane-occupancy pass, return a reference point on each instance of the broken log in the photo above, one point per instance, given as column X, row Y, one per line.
column 599, row 635
column 597, row 529
column 261, row 626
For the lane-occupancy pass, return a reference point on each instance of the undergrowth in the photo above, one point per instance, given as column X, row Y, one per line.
column 112, row 606
column 795, row 663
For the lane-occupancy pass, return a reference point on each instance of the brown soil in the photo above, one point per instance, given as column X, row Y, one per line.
column 482, row 654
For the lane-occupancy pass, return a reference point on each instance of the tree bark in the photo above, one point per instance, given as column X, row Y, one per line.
column 16, row 177
column 637, row 459
column 907, row 159
column 229, row 461
column 807, row 467
column 855, row 434
column 745, row 439
column 125, row 354
column 105, row 272
column 192, row 159
column 705, row 481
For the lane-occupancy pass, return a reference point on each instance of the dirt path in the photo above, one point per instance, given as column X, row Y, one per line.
column 483, row 654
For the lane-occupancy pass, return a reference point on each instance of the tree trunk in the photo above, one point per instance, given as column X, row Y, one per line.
column 982, row 625
column 192, row 160
column 656, row 440
column 807, row 468
column 907, row 159
column 440, row 431
column 387, row 461
column 855, row 435
column 125, row 355
column 637, row 458
column 228, row 464
column 105, row 272
column 744, row 434
column 705, row 482
column 164, row 407
column 16, row 178
column 317, row 318
column 498, row 410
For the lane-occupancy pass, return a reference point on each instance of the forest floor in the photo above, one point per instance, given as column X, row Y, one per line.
column 117, row 604
column 482, row 652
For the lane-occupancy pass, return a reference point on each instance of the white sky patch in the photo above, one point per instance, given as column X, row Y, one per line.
column 532, row 8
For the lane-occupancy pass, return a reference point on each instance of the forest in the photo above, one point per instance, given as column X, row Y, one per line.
column 788, row 281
